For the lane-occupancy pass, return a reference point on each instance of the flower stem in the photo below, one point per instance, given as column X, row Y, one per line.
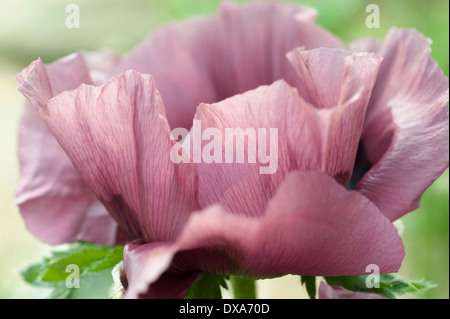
column 243, row 288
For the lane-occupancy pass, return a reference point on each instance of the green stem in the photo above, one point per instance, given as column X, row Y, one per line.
column 243, row 288
column 207, row 287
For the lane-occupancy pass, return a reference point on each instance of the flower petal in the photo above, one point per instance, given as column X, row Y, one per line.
column 119, row 140
column 102, row 65
column 331, row 292
column 280, row 120
column 313, row 226
column 309, row 138
column 147, row 263
column 238, row 49
column 407, row 126
column 56, row 205
column 334, row 77
column 339, row 83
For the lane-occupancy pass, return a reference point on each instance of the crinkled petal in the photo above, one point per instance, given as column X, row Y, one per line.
column 118, row 139
column 308, row 138
column 331, row 78
column 407, row 125
column 339, row 83
column 313, row 226
column 55, row 203
column 238, row 49
column 283, row 134
column 331, row 292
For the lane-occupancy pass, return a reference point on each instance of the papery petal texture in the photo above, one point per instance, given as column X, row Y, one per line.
column 118, row 138
column 308, row 137
column 279, row 122
column 57, row 206
column 238, row 49
column 312, row 226
column 406, row 130
column 298, row 141
column 339, row 83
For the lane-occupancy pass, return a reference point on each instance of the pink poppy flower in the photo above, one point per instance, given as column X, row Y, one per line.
column 372, row 121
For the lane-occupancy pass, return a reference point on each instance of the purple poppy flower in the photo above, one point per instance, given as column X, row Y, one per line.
column 259, row 65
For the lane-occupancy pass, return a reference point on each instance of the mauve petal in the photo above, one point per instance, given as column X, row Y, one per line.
column 340, row 83
column 299, row 146
column 238, row 49
column 147, row 263
column 39, row 82
column 313, row 226
column 171, row 58
column 331, row 292
column 119, row 140
column 407, row 125
column 102, row 65
column 254, row 39
column 35, row 83
column 333, row 77
column 56, row 205
column 309, row 138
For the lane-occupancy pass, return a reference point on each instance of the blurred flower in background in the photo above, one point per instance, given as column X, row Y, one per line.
column 158, row 13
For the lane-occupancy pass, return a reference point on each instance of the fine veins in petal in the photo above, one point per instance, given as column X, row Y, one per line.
column 239, row 48
column 407, row 126
column 339, row 83
column 55, row 203
column 299, row 138
column 118, row 139
column 107, row 174
column 312, row 226
column 309, row 138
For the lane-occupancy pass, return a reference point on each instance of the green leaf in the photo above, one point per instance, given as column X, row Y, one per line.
column 390, row 285
column 207, row 287
column 243, row 288
column 310, row 283
column 88, row 264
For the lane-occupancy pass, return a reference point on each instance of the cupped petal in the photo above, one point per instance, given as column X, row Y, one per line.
column 239, row 48
column 406, row 130
column 118, row 139
column 313, row 226
column 339, row 83
column 331, row 78
column 259, row 136
column 332, row 292
column 55, row 203
column 307, row 137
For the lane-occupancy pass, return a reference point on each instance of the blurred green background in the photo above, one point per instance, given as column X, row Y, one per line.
column 36, row 28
